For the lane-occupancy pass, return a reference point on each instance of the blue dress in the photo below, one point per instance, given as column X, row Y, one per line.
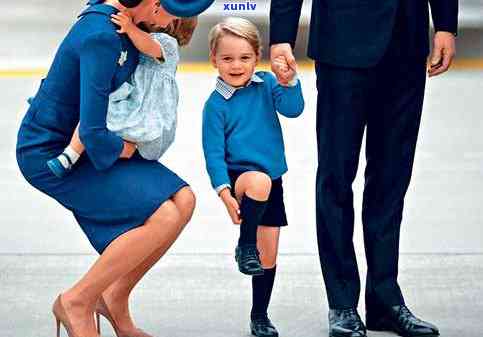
column 107, row 195
column 143, row 109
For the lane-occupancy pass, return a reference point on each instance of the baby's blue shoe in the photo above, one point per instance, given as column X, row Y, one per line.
column 57, row 168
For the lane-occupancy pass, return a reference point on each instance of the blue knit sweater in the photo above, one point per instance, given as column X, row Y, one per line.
column 241, row 129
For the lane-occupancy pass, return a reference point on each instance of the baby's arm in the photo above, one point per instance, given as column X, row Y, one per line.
column 142, row 41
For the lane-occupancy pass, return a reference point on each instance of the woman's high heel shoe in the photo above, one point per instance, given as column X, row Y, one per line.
column 101, row 309
column 61, row 318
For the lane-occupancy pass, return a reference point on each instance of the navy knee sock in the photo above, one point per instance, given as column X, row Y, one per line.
column 262, row 286
column 251, row 212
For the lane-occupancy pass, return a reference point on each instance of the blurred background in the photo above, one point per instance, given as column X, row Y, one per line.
column 35, row 28
column 42, row 249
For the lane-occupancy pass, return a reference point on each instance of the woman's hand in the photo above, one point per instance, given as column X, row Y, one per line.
column 231, row 206
column 124, row 21
column 128, row 150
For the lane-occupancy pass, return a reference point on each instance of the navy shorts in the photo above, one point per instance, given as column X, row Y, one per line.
column 274, row 215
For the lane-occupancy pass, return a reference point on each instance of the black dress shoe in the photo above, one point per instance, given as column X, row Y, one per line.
column 248, row 259
column 401, row 321
column 345, row 323
column 262, row 327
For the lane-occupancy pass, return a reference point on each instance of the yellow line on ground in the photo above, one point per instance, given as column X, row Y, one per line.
column 205, row 67
column 470, row 64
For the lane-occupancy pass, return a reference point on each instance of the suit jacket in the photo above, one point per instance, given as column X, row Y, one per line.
column 355, row 33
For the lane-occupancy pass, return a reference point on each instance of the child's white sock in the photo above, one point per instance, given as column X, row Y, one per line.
column 73, row 156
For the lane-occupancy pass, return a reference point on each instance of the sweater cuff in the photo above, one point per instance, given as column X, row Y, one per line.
column 294, row 81
column 220, row 188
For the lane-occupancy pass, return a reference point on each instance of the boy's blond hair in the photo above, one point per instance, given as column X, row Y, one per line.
column 238, row 27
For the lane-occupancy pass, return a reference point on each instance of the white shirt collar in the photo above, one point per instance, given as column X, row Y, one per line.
column 227, row 90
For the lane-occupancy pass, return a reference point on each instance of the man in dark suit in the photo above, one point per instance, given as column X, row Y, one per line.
column 371, row 64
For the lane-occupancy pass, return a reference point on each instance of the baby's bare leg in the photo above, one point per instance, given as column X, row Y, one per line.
column 64, row 162
column 75, row 142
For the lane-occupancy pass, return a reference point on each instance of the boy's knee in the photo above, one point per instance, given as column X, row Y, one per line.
column 259, row 185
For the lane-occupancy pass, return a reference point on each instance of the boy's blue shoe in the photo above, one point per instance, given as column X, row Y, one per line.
column 57, row 168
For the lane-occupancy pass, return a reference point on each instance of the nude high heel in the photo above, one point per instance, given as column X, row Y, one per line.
column 61, row 317
column 101, row 309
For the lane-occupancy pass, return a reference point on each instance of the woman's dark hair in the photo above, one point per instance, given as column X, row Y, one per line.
column 130, row 3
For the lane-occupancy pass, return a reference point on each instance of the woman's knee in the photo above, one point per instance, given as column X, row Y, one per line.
column 185, row 201
column 255, row 184
column 166, row 214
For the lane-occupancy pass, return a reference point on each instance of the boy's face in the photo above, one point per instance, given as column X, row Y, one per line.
column 235, row 60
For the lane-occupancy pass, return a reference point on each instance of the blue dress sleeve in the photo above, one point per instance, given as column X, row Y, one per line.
column 288, row 101
column 169, row 49
column 214, row 144
column 98, row 63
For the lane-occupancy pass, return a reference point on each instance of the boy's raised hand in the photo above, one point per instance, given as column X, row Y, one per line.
column 283, row 68
column 282, row 53
column 231, row 206
column 124, row 21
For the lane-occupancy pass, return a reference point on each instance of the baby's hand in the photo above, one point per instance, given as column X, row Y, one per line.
column 231, row 206
column 124, row 21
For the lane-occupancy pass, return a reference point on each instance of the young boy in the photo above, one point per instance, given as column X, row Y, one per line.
column 244, row 153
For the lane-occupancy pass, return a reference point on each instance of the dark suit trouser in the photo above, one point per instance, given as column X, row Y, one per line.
column 386, row 100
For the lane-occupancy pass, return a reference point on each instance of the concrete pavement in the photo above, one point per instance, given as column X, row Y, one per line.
column 190, row 295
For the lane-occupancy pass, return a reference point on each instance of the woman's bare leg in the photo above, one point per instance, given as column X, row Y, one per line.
column 118, row 259
column 117, row 294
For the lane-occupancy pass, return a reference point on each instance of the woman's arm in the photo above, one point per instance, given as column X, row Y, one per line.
column 141, row 40
column 98, row 63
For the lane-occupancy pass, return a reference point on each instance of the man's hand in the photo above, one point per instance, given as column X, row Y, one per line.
column 124, row 21
column 231, row 206
column 443, row 52
column 283, row 62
